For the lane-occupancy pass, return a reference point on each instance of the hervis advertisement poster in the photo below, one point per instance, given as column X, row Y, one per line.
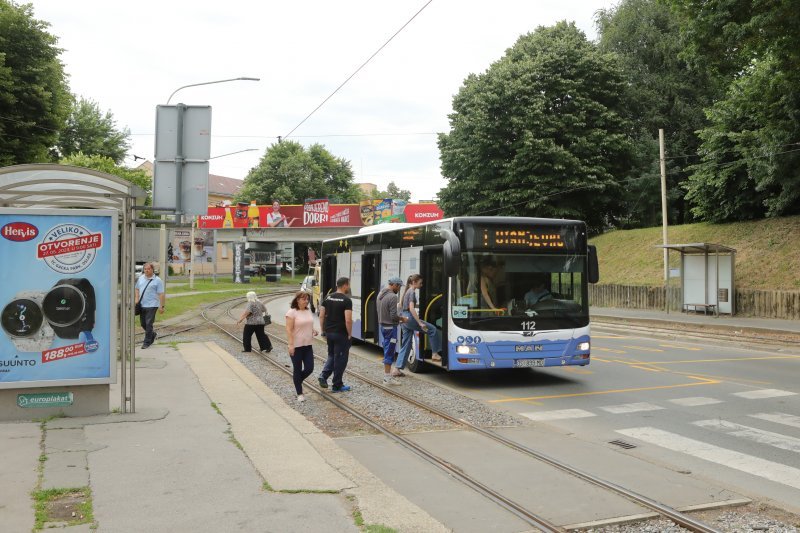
column 58, row 294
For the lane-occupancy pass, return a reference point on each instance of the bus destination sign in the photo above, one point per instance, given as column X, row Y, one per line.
column 506, row 238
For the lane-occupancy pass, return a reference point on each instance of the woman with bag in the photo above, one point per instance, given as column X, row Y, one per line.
column 301, row 333
column 254, row 315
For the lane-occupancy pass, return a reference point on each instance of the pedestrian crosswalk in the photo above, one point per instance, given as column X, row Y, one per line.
column 757, row 445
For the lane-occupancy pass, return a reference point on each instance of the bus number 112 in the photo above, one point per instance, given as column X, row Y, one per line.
column 529, row 325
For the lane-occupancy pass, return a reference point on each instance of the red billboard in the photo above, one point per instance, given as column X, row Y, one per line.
column 312, row 214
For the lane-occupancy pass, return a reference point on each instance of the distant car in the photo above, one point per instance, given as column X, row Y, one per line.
column 308, row 287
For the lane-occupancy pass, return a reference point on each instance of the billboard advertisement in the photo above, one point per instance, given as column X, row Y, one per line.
column 58, row 297
column 317, row 213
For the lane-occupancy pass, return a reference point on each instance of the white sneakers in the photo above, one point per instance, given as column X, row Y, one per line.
column 389, row 380
column 301, row 398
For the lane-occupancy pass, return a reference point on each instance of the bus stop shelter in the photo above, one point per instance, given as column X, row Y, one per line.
column 66, row 187
column 707, row 273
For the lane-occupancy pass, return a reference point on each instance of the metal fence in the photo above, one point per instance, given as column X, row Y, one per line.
column 749, row 302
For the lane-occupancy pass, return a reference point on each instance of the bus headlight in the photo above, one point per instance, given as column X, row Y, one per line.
column 584, row 346
column 466, row 350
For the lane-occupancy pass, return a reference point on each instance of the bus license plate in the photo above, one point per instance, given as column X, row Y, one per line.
column 527, row 363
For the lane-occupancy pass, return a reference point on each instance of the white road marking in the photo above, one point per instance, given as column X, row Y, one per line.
column 780, row 418
column 763, row 393
column 785, row 475
column 631, row 408
column 758, row 435
column 561, row 414
column 695, row 401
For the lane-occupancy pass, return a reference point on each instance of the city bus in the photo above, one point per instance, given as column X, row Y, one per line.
column 505, row 292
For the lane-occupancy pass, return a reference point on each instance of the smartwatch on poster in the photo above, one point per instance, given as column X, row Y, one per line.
column 24, row 322
column 69, row 307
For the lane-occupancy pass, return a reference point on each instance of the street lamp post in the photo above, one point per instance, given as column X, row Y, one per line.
column 179, row 171
column 210, row 83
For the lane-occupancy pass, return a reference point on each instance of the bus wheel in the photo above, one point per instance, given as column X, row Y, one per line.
column 415, row 364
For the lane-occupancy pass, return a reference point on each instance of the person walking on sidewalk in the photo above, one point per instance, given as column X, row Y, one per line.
column 149, row 292
column 415, row 323
column 253, row 315
column 300, row 333
column 389, row 320
column 336, row 320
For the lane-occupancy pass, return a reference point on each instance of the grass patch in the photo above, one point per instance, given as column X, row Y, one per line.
column 233, row 439
column 216, row 408
column 267, row 487
column 73, row 506
column 767, row 252
column 358, row 518
column 379, row 528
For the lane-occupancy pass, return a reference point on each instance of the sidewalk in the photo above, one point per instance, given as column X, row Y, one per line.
column 676, row 319
column 210, row 448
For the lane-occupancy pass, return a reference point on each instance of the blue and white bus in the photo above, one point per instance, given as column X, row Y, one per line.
column 506, row 292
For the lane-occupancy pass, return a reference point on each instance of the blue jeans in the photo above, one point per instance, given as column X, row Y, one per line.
column 408, row 328
column 389, row 335
column 303, row 366
column 338, row 354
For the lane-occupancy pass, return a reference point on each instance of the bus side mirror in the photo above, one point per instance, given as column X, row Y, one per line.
column 594, row 267
column 451, row 252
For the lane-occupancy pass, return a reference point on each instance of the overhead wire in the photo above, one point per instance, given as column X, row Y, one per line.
column 359, row 68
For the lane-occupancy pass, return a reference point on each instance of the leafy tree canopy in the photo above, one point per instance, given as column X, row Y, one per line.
column 540, row 133
column 663, row 91
column 392, row 191
column 751, row 147
column 34, row 96
column 91, row 132
column 291, row 173
column 105, row 164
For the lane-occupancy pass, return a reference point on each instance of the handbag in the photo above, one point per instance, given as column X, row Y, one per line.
column 137, row 310
column 267, row 319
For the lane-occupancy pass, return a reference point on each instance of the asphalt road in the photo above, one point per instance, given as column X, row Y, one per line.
column 726, row 413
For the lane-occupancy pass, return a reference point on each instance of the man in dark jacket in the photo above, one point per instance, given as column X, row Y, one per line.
column 389, row 318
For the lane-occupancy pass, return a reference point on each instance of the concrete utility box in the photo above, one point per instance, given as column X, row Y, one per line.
column 707, row 277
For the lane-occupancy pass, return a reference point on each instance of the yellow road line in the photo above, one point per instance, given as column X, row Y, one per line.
column 609, row 350
column 644, row 348
column 727, row 359
column 703, row 381
column 609, row 337
column 680, row 347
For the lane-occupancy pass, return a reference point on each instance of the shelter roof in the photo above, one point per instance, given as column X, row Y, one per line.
column 699, row 248
column 62, row 186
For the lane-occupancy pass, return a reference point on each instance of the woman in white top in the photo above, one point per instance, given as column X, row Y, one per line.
column 301, row 333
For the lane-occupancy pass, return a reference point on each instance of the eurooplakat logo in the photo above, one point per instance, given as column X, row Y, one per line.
column 69, row 248
column 19, row 231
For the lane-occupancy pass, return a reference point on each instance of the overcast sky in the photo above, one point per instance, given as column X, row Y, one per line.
column 130, row 56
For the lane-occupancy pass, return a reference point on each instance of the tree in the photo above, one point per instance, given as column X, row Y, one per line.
column 91, row 132
column 290, row 173
column 749, row 156
column 392, row 191
column 663, row 91
column 34, row 96
column 540, row 133
column 106, row 164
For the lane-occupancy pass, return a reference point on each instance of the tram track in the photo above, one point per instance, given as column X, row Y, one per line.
column 493, row 495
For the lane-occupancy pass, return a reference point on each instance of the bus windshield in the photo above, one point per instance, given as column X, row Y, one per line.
column 520, row 291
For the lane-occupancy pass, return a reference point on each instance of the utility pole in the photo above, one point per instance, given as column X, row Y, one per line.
column 663, row 164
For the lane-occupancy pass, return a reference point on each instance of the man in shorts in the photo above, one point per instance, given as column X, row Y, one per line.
column 389, row 319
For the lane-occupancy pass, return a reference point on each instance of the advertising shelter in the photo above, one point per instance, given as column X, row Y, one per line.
column 707, row 277
column 75, row 226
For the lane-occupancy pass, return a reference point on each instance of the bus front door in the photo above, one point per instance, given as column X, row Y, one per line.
column 370, row 286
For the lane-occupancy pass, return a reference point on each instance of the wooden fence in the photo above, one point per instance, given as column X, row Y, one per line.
column 749, row 302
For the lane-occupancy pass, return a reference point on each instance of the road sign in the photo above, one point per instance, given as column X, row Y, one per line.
column 44, row 399
column 192, row 128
